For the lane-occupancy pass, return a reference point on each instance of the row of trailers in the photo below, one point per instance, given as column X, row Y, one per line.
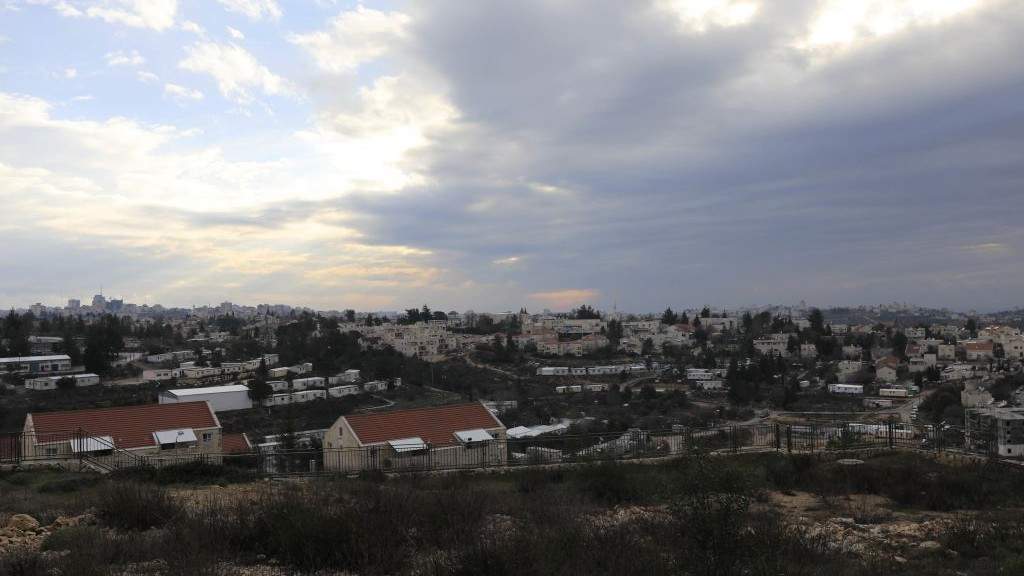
column 590, row 370
column 858, row 390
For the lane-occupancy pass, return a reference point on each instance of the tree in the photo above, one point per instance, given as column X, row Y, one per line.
column 705, row 312
column 586, row 312
column 972, row 327
column 817, row 320
column 350, row 315
column 899, row 345
column 66, row 383
column 669, row 317
column 614, row 333
column 647, row 348
column 748, row 322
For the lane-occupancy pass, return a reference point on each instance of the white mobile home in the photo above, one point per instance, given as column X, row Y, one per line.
column 52, row 382
column 306, row 383
column 347, row 390
column 221, row 398
column 851, row 389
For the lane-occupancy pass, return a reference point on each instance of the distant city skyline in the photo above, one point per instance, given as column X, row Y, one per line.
column 87, row 302
column 491, row 155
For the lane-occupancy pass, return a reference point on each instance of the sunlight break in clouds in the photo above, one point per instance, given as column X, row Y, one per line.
column 841, row 23
column 703, row 14
column 394, row 117
column 565, row 299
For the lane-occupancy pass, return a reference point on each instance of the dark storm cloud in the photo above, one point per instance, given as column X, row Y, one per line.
column 724, row 166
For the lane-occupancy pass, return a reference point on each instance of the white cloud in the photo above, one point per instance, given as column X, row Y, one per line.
column 190, row 26
column 70, row 73
column 354, row 37
column 236, row 71
column 235, row 33
column 120, row 58
column 840, row 23
column 155, row 14
column 147, row 77
column 182, row 93
column 105, row 183
column 700, row 15
column 395, row 116
column 254, row 9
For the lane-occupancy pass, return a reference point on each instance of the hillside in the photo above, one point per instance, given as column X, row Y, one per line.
column 897, row 513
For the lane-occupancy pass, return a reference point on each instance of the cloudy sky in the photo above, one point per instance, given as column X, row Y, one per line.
column 492, row 155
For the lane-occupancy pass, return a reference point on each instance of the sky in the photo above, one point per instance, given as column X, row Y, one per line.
column 495, row 155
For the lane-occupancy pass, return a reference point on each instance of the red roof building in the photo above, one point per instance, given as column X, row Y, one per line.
column 435, row 425
column 128, row 427
column 236, row 444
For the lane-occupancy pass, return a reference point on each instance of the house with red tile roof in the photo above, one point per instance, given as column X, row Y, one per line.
column 150, row 432
column 979, row 350
column 236, row 443
column 435, row 437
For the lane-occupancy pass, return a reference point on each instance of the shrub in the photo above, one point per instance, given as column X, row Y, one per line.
column 193, row 472
column 90, row 550
column 608, row 482
column 68, row 485
column 135, row 506
column 22, row 562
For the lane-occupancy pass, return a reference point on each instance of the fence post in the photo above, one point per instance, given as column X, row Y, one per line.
column 778, row 438
column 892, row 435
column 789, row 438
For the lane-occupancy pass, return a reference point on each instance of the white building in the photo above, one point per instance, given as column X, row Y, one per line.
column 808, row 351
column 305, row 383
column 295, row 397
column 850, row 389
column 376, row 386
column 346, row 377
column 220, row 398
column 161, row 374
column 851, row 352
column 178, row 356
column 774, row 345
column 36, row 364
column 43, row 345
column 52, row 382
column 346, row 390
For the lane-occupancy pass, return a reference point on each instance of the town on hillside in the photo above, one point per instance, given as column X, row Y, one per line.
column 289, row 390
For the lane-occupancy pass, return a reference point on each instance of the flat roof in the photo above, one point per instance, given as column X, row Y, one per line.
column 209, row 390
column 34, row 358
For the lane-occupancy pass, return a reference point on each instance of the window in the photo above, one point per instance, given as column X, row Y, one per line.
column 51, row 451
column 207, row 436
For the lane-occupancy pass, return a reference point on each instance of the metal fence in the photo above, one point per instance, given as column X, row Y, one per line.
column 92, row 453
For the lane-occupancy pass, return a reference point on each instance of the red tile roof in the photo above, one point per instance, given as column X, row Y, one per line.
column 890, row 361
column 978, row 346
column 129, row 426
column 235, row 443
column 436, row 425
